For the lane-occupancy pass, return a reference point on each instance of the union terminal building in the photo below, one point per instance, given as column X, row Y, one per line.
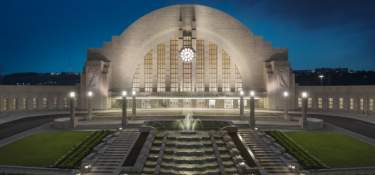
column 187, row 56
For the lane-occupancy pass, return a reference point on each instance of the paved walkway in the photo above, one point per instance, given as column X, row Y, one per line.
column 23, row 134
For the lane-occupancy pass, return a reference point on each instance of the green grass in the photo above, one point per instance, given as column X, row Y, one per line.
column 304, row 158
column 73, row 158
column 42, row 149
column 334, row 149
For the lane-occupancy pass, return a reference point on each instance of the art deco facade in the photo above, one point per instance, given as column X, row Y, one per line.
column 227, row 58
column 146, row 58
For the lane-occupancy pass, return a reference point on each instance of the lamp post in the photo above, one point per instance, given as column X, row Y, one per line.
column 321, row 77
column 286, row 108
column 134, row 106
column 72, row 96
column 89, row 106
column 124, row 121
column 304, row 109
column 252, row 110
column 241, row 104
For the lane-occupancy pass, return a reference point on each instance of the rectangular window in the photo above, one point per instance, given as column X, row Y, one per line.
column 351, row 103
column 330, row 103
column 309, row 103
column 34, row 103
column 320, row 103
column 44, row 102
column 66, row 105
column 13, row 103
column 341, row 103
column 371, row 104
column 5, row 104
column 300, row 102
column 23, row 103
column 55, row 102
column 361, row 104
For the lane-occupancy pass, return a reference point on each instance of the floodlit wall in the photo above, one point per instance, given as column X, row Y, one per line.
column 348, row 99
column 34, row 98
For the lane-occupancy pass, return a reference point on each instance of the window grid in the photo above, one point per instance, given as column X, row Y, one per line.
column 161, row 67
column 199, row 66
column 238, row 83
column 226, row 71
column 173, row 65
column 212, row 67
column 148, row 72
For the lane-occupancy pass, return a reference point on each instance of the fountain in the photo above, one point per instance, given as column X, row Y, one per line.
column 188, row 123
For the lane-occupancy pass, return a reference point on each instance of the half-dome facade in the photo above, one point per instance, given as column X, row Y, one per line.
column 187, row 51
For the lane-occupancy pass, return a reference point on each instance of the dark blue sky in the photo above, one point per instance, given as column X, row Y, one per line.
column 53, row 35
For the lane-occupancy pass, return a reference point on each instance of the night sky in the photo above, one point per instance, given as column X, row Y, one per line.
column 53, row 35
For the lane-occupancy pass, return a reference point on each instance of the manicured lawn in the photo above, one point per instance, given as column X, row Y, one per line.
column 42, row 149
column 334, row 149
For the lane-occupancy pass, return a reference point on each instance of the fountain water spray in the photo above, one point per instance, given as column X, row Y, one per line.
column 188, row 123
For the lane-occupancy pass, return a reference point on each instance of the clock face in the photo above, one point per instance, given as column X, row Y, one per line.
column 187, row 54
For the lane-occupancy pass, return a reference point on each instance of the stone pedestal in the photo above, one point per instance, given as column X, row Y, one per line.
column 124, row 122
column 252, row 113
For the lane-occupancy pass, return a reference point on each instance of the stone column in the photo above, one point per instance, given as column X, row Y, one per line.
column 73, row 119
column 304, row 113
column 286, row 109
column 124, row 121
column 134, row 106
column 252, row 112
column 241, row 106
column 89, row 108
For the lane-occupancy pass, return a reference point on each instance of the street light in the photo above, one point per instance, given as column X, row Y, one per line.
column 72, row 96
column 124, row 93
column 124, row 120
column 134, row 106
column 241, row 104
column 252, row 93
column 252, row 110
column 89, row 106
column 286, row 94
column 89, row 94
column 286, row 108
column 304, row 95
column 321, row 77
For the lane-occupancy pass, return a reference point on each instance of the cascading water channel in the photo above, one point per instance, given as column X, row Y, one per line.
column 191, row 152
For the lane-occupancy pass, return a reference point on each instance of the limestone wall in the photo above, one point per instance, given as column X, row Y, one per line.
column 348, row 99
column 34, row 98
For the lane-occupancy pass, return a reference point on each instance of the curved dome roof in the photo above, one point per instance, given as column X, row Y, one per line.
column 247, row 51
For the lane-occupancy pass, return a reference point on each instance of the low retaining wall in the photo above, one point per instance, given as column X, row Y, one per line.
column 36, row 170
column 343, row 171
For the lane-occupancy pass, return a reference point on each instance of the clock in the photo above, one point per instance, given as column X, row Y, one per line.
column 187, row 54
